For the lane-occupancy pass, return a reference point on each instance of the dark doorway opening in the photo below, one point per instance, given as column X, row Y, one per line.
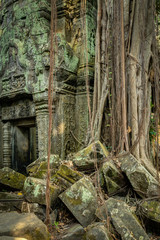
column 24, row 145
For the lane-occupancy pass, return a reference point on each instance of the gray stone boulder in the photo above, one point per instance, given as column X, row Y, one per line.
column 21, row 225
column 12, row 178
column 141, row 180
column 35, row 191
column 124, row 221
column 38, row 168
column 114, row 180
column 75, row 232
column 85, row 159
column 81, row 200
column 37, row 209
column 97, row 231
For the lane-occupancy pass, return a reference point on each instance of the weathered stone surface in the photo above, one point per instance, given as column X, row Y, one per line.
column 10, row 201
column 141, row 180
column 11, row 195
column 11, row 238
column 37, row 209
column 75, row 232
column 97, row 231
column 23, row 225
column 12, row 178
column 35, row 191
column 113, row 178
column 81, row 200
column 38, row 168
column 125, row 223
column 67, row 176
column 151, row 210
column 85, row 159
column 24, row 69
column 53, row 216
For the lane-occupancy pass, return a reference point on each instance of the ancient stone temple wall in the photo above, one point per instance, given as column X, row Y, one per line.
column 75, row 61
column 24, row 74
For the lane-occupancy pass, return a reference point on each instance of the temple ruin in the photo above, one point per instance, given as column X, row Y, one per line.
column 24, row 76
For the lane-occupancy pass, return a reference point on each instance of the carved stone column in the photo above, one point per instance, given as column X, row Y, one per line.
column 1, row 140
column 7, row 145
column 42, row 120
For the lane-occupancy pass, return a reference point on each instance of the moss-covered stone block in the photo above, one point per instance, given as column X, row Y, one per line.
column 151, row 210
column 113, row 178
column 85, row 159
column 97, row 231
column 10, row 201
column 11, row 196
column 67, row 176
column 35, row 191
column 12, row 178
column 74, row 232
column 38, row 168
column 125, row 223
column 141, row 180
column 81, row 200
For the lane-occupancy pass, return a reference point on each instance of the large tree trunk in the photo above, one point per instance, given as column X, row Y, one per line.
column 130, row 86
column 140, row 88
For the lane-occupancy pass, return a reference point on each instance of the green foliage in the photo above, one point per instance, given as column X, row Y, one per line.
column 152, row 130
column 56, row 224
column 158, row 6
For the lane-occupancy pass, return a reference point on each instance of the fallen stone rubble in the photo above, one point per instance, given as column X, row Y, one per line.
column 130, row 204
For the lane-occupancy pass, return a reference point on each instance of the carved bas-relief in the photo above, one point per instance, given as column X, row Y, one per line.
column 24, row 75
column 24, row 45
column 13, row 80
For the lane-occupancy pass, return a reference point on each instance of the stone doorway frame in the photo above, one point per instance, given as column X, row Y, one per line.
column 8, row 135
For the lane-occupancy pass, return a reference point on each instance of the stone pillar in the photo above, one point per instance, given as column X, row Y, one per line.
column 42, row 120
column 1, row 141
column 63, row 140
column 37, row 151
column 7, row 162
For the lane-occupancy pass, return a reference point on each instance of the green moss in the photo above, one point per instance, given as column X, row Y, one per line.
column 140, row 182
column 141, row 238
column 113, row 178
column 38, row 168
column 12, row 178
column 69, row 174
column 152, row 210
column 112, row 187
column 29, row 33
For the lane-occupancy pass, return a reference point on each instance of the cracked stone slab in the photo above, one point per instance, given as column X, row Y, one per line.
column 27, row 226
column 97, row 231
column 75, row 232
column 125, row 223
column 81, row 200
column 141, row 180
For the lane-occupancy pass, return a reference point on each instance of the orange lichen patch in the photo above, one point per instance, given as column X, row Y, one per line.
column 19, row 194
